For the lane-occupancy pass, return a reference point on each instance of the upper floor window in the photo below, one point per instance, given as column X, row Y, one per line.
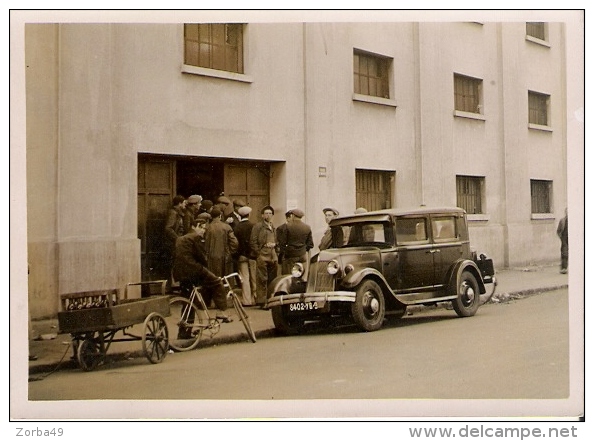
column 371, row 74
column 538, row 108
column 536, row 29
column 214, row 46
column 374, row 189
column 468, row 93
column 469, row 193
column 541, row 196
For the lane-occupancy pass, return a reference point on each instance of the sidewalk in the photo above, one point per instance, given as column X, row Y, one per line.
column 53, row 351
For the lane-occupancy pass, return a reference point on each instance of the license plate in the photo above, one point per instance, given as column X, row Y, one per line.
column 304, row 306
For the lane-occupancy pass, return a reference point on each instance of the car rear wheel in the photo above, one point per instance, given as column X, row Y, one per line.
column 468, row 296
column 369, row 308
column 285, row 324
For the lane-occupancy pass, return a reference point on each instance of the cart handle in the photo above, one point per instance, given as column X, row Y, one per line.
column 150, row 282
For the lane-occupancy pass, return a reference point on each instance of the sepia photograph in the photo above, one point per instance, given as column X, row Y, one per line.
column 284, row 215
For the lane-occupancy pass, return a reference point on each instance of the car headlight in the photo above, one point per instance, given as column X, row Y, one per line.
column 333, row 267
column 297, row 270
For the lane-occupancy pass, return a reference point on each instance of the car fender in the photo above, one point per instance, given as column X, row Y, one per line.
column 287, row 284
column 465, row 265
column 353, row 278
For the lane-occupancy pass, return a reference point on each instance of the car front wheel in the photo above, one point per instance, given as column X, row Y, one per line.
column 468, row 296
column 285, row 324
column 369, row 308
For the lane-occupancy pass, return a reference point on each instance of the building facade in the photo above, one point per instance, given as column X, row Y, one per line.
column 122, row 117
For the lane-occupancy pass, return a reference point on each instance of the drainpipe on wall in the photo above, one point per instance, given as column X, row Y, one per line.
column 418, row 113
column 305, row 128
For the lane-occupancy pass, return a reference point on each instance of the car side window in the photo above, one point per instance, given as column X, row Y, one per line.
column 411, row 230
column 444, row 228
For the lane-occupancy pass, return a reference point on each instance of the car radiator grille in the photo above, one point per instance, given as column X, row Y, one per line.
column 319, row 280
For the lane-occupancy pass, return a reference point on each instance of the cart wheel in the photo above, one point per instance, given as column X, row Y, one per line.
column 155, row 338
column 89, row 354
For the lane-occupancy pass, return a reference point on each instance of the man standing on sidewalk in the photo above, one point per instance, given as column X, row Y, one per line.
column 221, row 244
column 263, row 243
column 562, row 233
column 246, row 259
column 294, row 241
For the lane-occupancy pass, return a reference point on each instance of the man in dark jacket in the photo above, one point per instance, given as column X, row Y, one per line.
column 174, row 228
column 221, row 244
column 245, row 257
column 190, row 268
column 294, row 241
column 562, row 232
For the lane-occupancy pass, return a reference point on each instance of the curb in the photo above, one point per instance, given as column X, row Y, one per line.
column 70, row 363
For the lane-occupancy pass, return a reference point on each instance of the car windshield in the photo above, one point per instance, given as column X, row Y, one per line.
column 365, row 233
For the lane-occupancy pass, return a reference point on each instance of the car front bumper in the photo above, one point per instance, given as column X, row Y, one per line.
column 320, row 298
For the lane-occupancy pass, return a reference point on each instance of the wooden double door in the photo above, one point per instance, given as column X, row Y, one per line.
column 160, row 178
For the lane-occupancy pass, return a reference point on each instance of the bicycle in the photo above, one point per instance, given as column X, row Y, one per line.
column 191, row 317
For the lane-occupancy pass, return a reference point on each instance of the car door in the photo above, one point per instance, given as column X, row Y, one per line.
column 415, row 254
column 447, row 245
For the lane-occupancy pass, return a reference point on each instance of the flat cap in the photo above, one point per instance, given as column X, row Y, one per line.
column 267, row 207
column 297, row 213
column 244, row 211
column 333, row 210
column 204, row 216
column 224, row 200
column 360, row 210
column 195, row 199
column 238, row 203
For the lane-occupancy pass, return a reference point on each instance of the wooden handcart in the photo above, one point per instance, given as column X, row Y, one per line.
column 93, row 319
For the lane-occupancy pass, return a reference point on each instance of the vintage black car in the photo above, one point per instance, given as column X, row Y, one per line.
column 382, row 262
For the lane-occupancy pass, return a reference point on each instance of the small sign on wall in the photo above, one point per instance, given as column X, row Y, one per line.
column 322, row 172
column 291, row 204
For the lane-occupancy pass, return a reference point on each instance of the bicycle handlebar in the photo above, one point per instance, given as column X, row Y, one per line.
column 225, row 279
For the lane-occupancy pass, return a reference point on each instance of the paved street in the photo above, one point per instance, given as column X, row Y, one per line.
column 504, row 352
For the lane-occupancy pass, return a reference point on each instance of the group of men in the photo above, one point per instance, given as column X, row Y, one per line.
column 213, row 240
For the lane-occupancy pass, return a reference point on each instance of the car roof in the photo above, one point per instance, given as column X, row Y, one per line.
column 384, row 215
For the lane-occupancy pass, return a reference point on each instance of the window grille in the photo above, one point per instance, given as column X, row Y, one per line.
column 469, row 193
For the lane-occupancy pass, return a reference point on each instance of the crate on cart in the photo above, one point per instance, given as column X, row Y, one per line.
column 94, row 317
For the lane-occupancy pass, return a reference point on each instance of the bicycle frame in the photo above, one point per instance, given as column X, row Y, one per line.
column 213, row 322
column 194, row 317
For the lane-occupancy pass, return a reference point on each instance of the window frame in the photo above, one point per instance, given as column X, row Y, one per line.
column 398, row 233
column 207, row 38
column 370, row 185
column 479, row 195
column 476, row 110
column 383, row 69
column 543, row 102
column 536, row 211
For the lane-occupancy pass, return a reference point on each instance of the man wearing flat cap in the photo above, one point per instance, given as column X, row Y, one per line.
column 221, row 244
column 193, row 204
column 263, row 243
column 234, row 218
column 333, row 237
column 190, row 268
column 224, row 204
column 295, row 240
column 245, row 257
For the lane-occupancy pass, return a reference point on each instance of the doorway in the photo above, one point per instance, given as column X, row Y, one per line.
column 161, row 177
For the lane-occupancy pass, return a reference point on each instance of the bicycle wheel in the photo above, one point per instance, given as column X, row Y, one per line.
column 185, row 324
column 243, row 317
